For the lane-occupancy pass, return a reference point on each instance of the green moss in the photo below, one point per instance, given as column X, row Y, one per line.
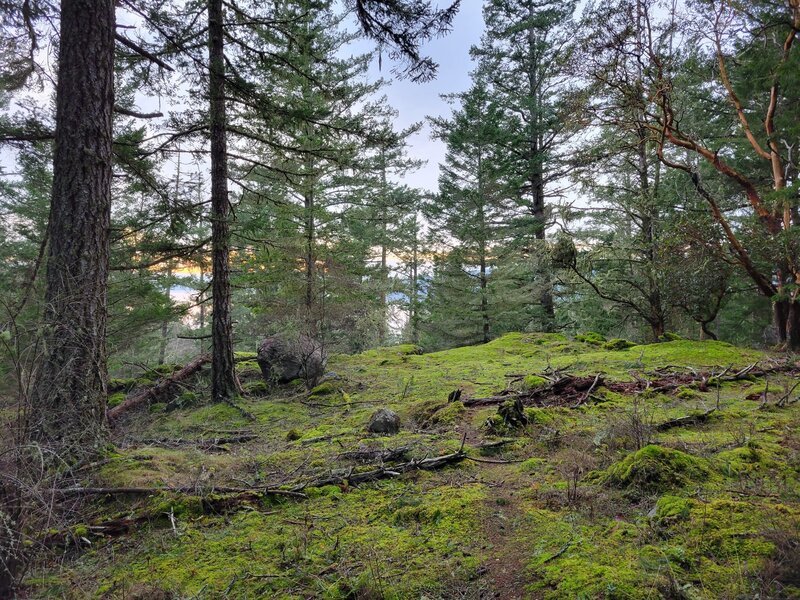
column 618, row 344
column 293, row 434
column 408, row 349
column 532, row 382
column 248, row 368
column 325, row 490
column 742, row 461
column 255, row 388
column 323, row 389
column 670, row 509
column 118, row 385
column 591, row 337
column 670, row 336
column 167, row 368
column 116, row 399
column 532, row 465
column 431, row 413
column 540, row 416
column 245, row 355
column 656, row 469
column 686, row 393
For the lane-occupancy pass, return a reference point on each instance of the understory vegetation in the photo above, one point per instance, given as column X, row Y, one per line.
column 600, row 494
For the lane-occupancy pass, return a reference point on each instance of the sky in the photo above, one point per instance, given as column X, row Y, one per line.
column 416, row 101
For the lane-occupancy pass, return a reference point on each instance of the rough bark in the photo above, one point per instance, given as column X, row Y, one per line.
column 67, row 404
column 223, row 377
column 787, row 323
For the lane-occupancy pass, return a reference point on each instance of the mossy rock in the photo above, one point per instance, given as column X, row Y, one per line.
column 655, row 469
column 245, row 355
column 618, row 344
column 293, row 435
column 591, row 337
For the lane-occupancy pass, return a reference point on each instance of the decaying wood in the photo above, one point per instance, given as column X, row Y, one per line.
column 203, row 443
column 185, row 490
column 382, row 455
column 685, row 420
column 381, row 472
column 570, row 390
column 161, row 389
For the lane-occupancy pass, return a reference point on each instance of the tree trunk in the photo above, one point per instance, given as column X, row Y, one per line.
column 162, row 350
column 310, row 260
column 484, row 299
column 223, row 377
column 67, row 409
column 536, row 179
column 787, row 323
column 705, row 332
column 414, row 316
column 384, row 278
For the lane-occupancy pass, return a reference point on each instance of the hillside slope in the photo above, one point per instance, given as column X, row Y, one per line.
column 667, row 470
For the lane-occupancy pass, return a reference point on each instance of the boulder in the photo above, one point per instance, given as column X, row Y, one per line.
column 283, row 359
column 384, row 420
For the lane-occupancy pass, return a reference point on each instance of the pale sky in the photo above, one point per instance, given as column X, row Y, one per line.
column 416, row 101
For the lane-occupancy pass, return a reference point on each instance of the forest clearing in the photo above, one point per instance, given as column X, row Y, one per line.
column 601, row 493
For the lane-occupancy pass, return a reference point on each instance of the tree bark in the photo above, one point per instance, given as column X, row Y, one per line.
column 223, row 377
column 787, row 323
column 67, row 405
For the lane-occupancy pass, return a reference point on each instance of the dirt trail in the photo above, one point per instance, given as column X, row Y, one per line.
column 502, row 523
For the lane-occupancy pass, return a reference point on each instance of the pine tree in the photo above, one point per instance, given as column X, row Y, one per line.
column 470, row 213
column 523, row 56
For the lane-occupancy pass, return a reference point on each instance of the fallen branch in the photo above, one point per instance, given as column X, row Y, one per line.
column 388, row 455
column 200, row 443
column 685, row 420
column 353, row 478
column 186, row 490
column 241, row 410
column 160, row 389
column 588, row 394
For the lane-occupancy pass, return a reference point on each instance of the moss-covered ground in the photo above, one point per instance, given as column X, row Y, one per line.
column 588, row 500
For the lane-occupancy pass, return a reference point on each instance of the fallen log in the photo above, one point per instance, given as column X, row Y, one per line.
column 387, row 455
column 186, row 490
column 203, row 443
column 685, row 420
column 162, row 388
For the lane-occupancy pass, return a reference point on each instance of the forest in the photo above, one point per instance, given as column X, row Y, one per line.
column 265, row 335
